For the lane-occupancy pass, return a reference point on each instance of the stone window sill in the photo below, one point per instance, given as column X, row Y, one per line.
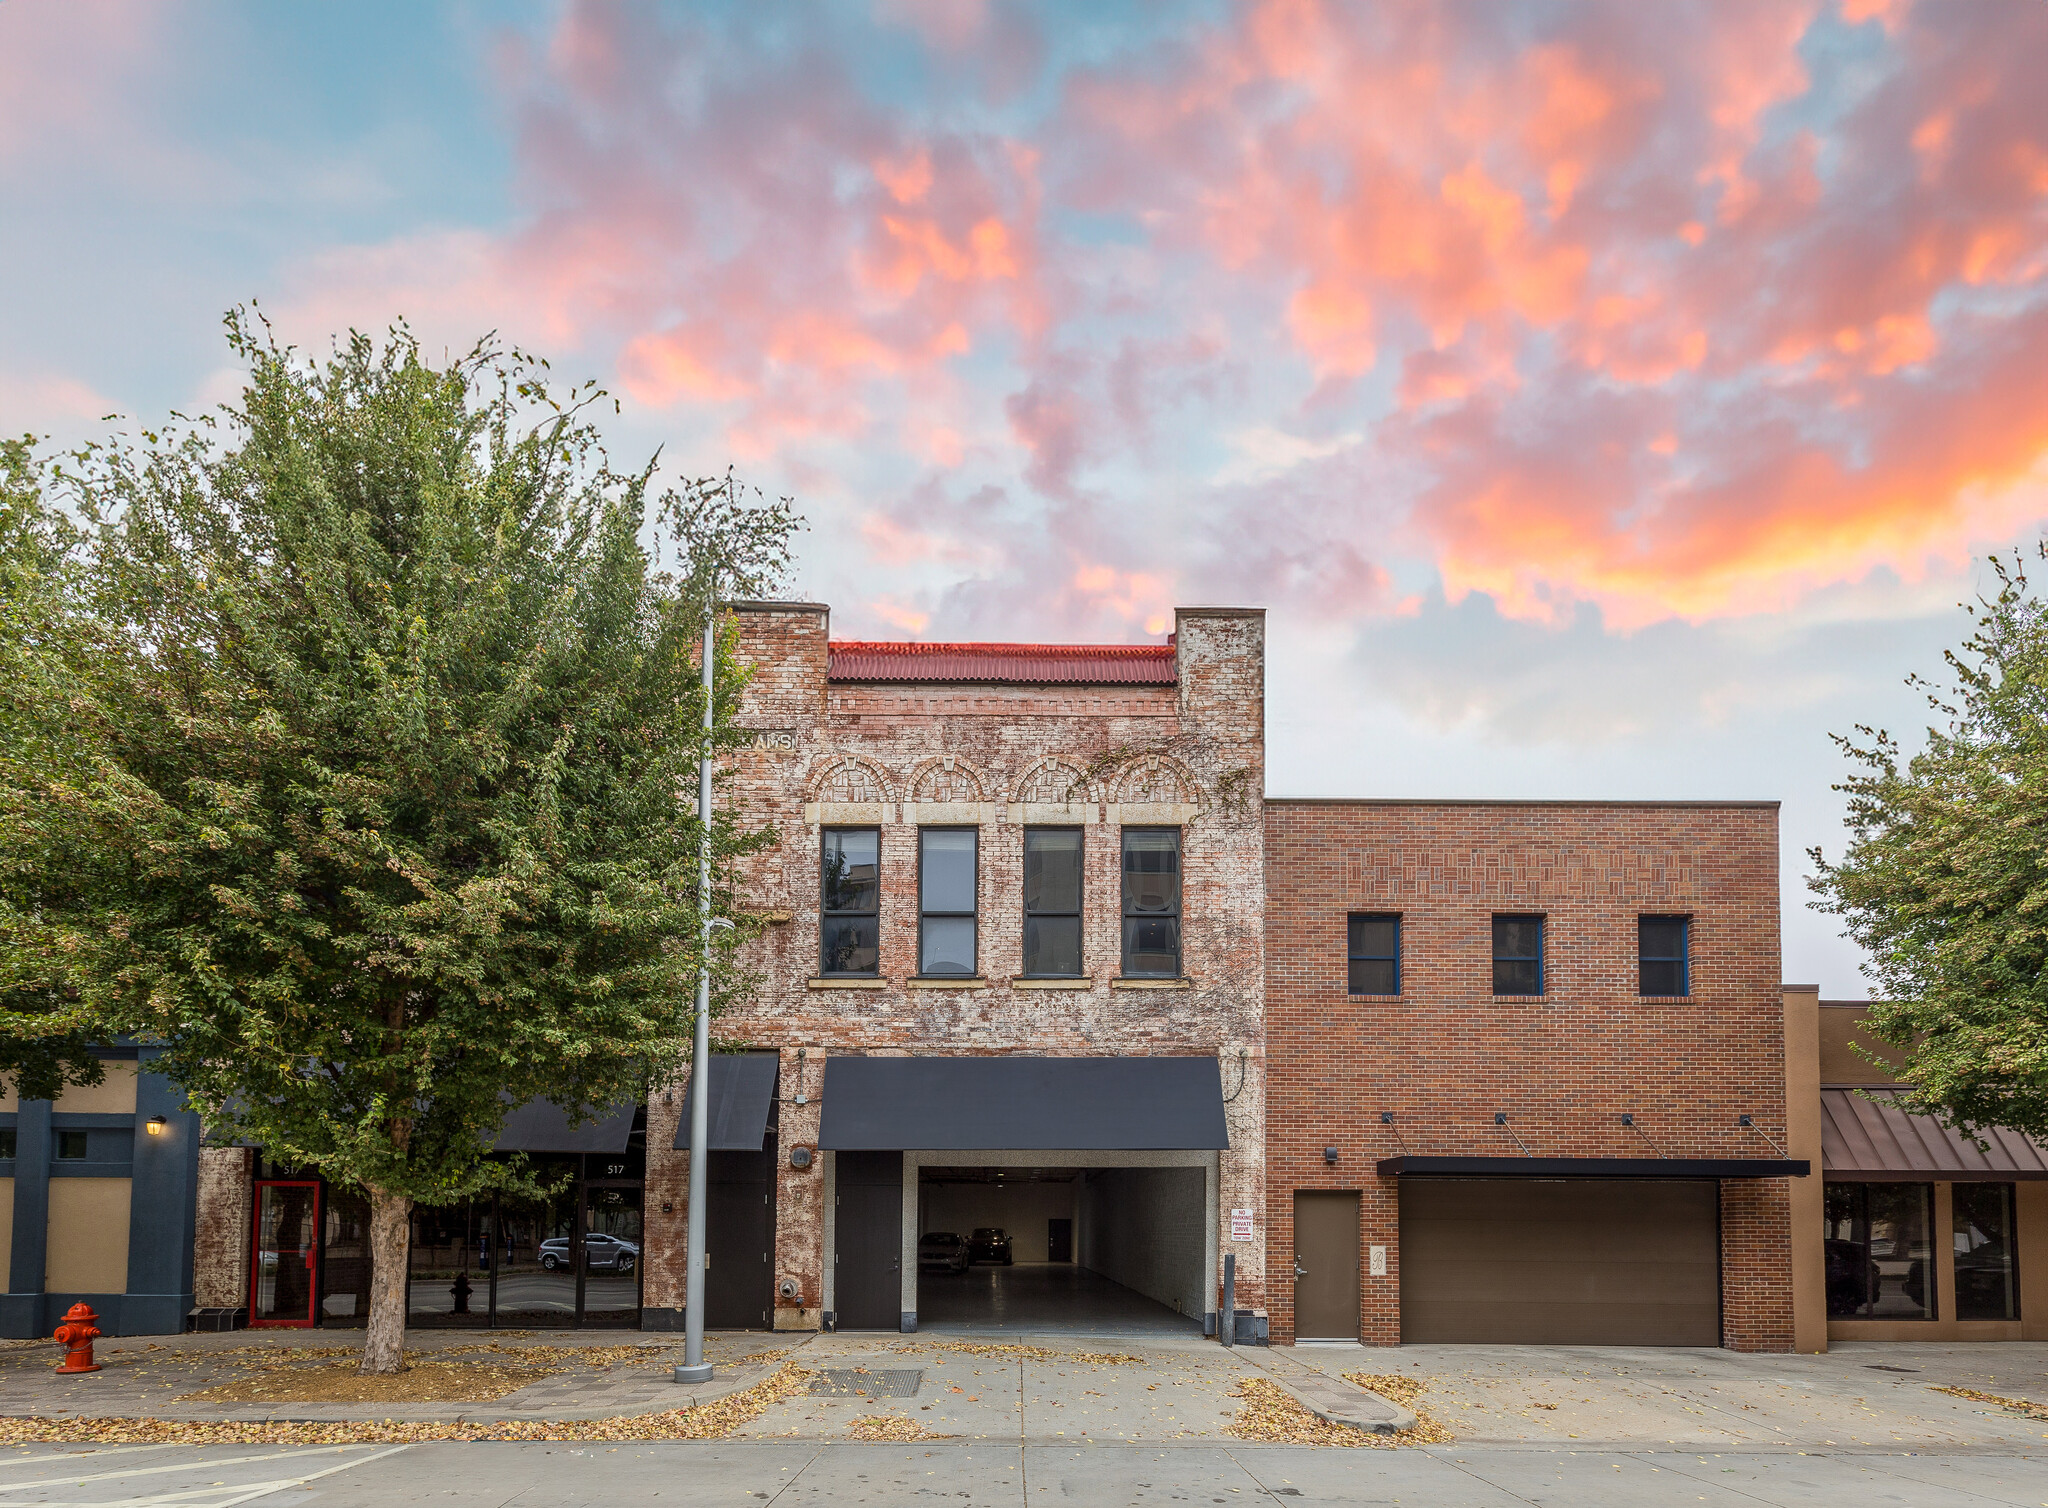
column 1026, row 982
column 941, row 982
column 1151, row 984
column 846, row 982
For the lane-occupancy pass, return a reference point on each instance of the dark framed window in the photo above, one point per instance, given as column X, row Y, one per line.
column 1987, row 1269
column 1663, row 964
column 1374, row 954
column 849, row 902
column 946, row 874
column 1518, row 955
column 7, row 1138
column 71, row 1146
column 1879, row 1250
column 1052, row 902
column 1151, row 902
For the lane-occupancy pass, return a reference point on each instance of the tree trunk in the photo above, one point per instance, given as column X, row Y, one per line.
column 390, row 1251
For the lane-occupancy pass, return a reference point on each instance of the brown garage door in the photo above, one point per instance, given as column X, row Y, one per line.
column 1615, row 1262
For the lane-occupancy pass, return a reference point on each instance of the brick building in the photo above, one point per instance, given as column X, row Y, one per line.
column 1012, row 977
column 1511, row 1047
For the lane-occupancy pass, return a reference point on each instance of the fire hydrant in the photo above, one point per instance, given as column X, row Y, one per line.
column 76, row 1335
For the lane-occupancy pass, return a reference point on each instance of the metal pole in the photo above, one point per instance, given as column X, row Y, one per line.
column 694, row 1367
column 1226, row 1322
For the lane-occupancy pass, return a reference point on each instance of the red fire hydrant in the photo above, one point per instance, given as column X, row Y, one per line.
column 76, row 1335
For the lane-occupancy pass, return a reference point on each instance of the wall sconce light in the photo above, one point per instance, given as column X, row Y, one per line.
column 1330, row 1156
column 155, row 1125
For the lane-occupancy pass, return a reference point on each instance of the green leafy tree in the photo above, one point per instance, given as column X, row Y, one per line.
column 378, row 809
column 46, row 1036
column 1945, row 878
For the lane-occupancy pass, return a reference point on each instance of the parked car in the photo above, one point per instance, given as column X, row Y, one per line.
column 1852, row 1277
column 942, row 1251
column 989, row 1243
column 601, row 1253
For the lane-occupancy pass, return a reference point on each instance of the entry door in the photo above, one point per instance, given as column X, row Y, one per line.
column 284, row 1276
column 739, row 1283
column 867, row 1282
column 1325, row 1265
column 609, row 1274
column 1575, row 1262
column 1059, row 1240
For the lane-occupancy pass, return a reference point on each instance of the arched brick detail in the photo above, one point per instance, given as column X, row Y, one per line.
column 1053, row 780
column 947, row 778
column 850, row 781
column 1155, row 777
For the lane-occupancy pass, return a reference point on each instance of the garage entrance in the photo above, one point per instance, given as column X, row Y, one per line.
column 1590, row 1262
column 1087, row 1250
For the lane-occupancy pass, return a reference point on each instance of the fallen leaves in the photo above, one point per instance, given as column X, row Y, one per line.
column 2022, row 1406
column 1272, row 1415
column 899, row 1428
column 710, row 1421
column 1105, row 1358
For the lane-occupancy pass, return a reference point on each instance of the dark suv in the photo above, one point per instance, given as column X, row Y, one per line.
column 989, row 1243
column 942, row 1251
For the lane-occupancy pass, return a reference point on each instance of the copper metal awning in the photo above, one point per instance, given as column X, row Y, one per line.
column 1866, row 1137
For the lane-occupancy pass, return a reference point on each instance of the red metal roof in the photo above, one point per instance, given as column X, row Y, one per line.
column 1865, row 1135
column 1073, row 664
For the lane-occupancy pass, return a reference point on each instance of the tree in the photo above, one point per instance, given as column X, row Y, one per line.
column 46, row 1037
column 1945, row 878
column 380, row 816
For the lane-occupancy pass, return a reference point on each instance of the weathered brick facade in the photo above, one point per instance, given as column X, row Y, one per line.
column 996, row 756
column 1447, row 1054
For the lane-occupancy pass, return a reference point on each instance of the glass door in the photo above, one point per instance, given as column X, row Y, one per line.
column 284, row 1275
column 609, row 1275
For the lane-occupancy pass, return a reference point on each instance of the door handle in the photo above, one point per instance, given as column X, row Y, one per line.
column 1299, row 1271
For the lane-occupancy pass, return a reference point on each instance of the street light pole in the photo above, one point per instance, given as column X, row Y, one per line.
column 694, row 1367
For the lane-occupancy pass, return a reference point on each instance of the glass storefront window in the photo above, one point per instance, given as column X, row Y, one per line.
column 1880, row 1250
column 1987, row 1281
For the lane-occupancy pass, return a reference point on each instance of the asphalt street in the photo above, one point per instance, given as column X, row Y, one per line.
column 490, row 1475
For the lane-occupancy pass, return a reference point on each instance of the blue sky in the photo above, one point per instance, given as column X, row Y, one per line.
column 1606, row 401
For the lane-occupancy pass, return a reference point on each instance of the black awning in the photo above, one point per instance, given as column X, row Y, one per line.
column 542, row 1126
column 1016, row 1103
column 1595, row 1167
column 742, row 1094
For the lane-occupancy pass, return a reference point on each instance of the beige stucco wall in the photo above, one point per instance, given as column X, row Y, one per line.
column 88, row 1236
column 1809, row 1204
column 112, row 1095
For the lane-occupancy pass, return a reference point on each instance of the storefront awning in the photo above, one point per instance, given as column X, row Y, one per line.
column 1867, row 1137
column 1016, row 1103
column 542, row 1126
column 1594, row 1167
column 742, row 1095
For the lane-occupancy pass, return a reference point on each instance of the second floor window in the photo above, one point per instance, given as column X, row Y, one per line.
column 1661, row 955
column 1518, row 955
column 945, row 900
column 1375, row 954
column 1152, row 902
column 849, row 902
column 1052, row 902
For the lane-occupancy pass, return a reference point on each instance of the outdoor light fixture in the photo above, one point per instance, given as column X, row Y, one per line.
column 1330, row 1156
column 155, row 1125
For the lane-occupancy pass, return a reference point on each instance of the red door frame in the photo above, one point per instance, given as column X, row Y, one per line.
column 311, row 1254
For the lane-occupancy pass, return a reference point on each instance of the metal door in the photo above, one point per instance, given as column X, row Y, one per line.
column 284, row 1269
column 1325, row 1265
column 739, row 1284
column 867, row 1278
column 1059, row 1240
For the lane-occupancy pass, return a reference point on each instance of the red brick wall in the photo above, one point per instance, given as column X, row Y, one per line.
column 1446, row 1055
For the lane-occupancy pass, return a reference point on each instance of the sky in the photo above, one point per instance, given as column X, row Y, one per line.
column 1606, row 400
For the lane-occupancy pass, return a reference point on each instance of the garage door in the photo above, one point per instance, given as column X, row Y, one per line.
column 1615, row 1262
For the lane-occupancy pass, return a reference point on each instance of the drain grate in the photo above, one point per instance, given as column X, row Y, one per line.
column 850, row 1382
